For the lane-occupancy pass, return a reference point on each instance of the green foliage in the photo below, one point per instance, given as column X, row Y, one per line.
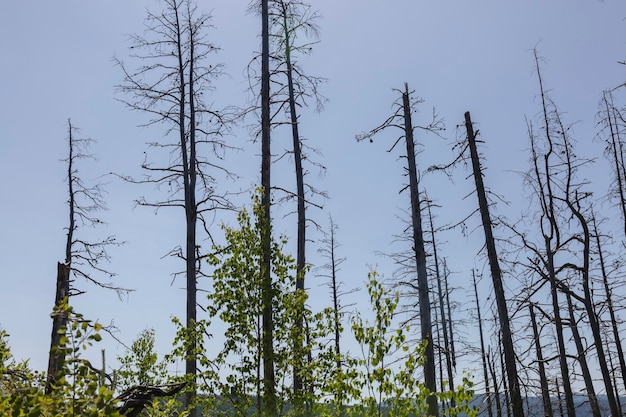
column 237, row 301
column 140, row 365
column 77, row 390
column 384, row 380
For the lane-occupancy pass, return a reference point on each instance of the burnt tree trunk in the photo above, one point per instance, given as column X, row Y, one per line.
column 496, row 275
column 420, row 260
column 301, row 207
column 442, row 311
column 582, row 360
column 483, row 354
column 609, row 300
column 543, row 379
column 269, row 383
column 59, row 322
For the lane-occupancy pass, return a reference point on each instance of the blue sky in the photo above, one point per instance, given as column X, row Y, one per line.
column 457, row 55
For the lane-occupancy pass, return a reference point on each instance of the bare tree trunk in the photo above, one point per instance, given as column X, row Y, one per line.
column 269, row 383
column 615, row 152
column 496, row 275
column 188, row 155
column 588, row 303
column 446, row 274
column 558, row 325
column 609, row 299
column 430, row 377
column 443, row 319
column 543, row 380
column 301, row 239
column 496, row 391
column 591, row 392
column 559, row 399
column 59, row 321
column 483, row 353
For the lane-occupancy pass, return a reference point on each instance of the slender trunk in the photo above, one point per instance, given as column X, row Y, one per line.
column 335, row 291
column 591, row 313
column 543, row 380
column 301, row 241
column 446, row 274
column 191, row 209
column 616, row 153
column 558, row 325
column 505, row 388
column 619, row 404
column 269, row 383
column 420, row 259
column 582, row 360
column 444, row 319
column 496, row 391
column 483, row 354
column 496, row 275
column 609, row 299
column 559, row 399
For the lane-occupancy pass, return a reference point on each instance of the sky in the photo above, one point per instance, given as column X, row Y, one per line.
column 456, row 55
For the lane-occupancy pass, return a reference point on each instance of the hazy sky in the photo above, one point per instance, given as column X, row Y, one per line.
column 457, row 55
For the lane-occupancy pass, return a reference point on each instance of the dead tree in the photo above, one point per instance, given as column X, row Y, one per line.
column 613, row 128
column 84, row 259
column 269, row 382
column 402, row 119
column 291, row 20
column 609, row 302
column 172, row 84
column 483, row 352
column 496, row 275
column 543, row 379
column 444, row 318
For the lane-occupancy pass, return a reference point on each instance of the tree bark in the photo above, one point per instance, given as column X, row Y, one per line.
column 543, row 380
column 59, row 321
column 442, row 311
column 591, row 392
column 609, row 301
column 301, row 208
column 496, row 275
column 269, row 383
column 420, row 260
column 483, row 353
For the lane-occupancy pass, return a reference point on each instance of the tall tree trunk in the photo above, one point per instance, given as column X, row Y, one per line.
column 496, row 275
column 430, row 377
column 442, row 311
column 558, row 325
column 483, row 353
column 590, row 308
column 188, row 153
column 609, row 300
column 616, row 153
column 543, row 379
column 446, row 274
column 591, row 392
column 269, row 383
column 301, row 240
column 496, row 391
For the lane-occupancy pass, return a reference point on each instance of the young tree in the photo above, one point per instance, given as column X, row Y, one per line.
column 238, row 300
column 84, row 259
column 171, row 85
